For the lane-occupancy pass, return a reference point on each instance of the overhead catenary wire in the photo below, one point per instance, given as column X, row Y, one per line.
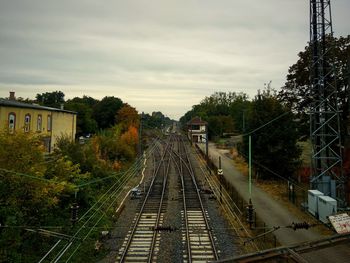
column 147, row 194
column 107, row 196
column 274, row 173
column 226, row 205
column 266, row 124
column 50, row 181
column 61, row 252
column 38, row 178
column 133, row 170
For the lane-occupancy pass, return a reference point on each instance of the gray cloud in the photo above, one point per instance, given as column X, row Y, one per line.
column 156, row 55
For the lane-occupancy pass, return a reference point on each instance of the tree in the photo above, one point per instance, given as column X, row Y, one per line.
column 223, row 111
column 127, row 116
column 220, row 124
column 104, row 111
column 295, row 93
column 50, row 99
column 85, row 123
column 25, row 196
column 274, row 146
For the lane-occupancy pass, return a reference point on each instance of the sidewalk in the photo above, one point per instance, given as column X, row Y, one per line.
column 272, row 212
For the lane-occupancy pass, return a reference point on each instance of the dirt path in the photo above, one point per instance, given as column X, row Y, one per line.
column 274, row 212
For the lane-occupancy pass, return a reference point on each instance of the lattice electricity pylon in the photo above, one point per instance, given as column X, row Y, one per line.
column 327, row 175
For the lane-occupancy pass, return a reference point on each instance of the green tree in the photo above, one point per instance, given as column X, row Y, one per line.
column 223, row 111
column 50, row 99
column 104, row 111
column 85, row 123
column 296, row 91
column 25, row 196
column 274, row 146
column 220, row 124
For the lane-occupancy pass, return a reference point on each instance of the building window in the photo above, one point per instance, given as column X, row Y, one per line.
column 49, row 122
column 12, row 122
column 39, row 123
column 27, row 123
column 195, row 127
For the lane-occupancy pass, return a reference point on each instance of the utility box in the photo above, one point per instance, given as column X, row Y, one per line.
column 312, row 198
column 327, row 206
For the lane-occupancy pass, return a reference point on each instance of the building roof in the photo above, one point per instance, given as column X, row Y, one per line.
column 197, row 121
column 17, row 104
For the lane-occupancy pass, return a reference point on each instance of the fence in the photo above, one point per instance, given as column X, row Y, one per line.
column 262, row 236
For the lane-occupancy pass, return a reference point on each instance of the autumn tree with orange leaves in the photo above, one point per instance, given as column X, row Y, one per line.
column 127, row 116
column 128, row 121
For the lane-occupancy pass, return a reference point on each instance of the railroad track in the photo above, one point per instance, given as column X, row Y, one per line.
column 197, row 237
column 67, row 246
column 143, row 240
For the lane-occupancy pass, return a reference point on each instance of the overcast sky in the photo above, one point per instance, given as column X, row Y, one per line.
column 153, row 54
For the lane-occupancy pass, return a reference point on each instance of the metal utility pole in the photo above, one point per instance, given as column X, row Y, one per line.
column 140, row 140
column 220, row 175
column 327, row 175
column 206, row 143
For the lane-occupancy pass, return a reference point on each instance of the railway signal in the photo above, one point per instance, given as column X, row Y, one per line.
column 250, row 214
column 74, row 213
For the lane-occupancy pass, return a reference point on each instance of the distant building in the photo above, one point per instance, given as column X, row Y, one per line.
column 50, row 123
column 197, row 130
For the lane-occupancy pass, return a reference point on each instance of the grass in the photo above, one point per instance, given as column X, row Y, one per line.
column 306, row 152
column 239, row 162
column 277, row 189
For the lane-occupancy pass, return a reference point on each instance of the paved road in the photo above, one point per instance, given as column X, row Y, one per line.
column 272, row 212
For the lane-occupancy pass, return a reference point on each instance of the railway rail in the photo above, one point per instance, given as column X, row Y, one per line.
column 194, row 237
column 142, row 241
column 65, row 249
column 197, row 235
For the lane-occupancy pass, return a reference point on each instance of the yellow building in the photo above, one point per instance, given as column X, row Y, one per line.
column 50, row 123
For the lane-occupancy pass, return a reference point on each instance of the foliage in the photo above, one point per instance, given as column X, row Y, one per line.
column 155, row 120
column 127, row 116
column 21, row 152
column 32, row 193
column 32, row 202
column 130, row 137
column 50, row 99
column 86, row 100
column 36, row 189
column 223, row 112
column 107, row 150
column 296, row 91
column 274, row 146
column 220, row 124
column 105, row 110
column 85, row 123
column 85, row 155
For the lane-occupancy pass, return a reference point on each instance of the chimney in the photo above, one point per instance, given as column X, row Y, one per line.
column 12, row 95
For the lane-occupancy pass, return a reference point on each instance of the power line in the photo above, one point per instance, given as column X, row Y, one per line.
column 11, row 172
column 265, row 124
column 273, row 172
column 92, row 228
column 112, row 192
